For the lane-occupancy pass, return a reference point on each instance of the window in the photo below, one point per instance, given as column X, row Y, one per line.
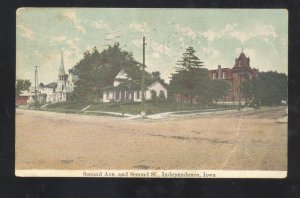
column 127, row 94
column 214, row 75
column 117, row 94
column 138, row 95
column 107, row 95
column 240, row 63
column 224, row 75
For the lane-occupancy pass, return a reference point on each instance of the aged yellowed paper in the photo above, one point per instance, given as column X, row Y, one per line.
column 170, row 93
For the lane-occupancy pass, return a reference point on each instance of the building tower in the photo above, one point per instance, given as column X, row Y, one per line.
column 61, row 81
column 241, row 71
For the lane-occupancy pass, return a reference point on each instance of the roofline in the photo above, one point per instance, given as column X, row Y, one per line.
column 159, row 82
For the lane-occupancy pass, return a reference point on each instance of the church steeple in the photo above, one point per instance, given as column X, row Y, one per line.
column 61, row 71
column 62, row 77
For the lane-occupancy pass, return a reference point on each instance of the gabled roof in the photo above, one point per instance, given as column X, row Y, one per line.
column 121, row 75
column 51, row 85
column 158, row 80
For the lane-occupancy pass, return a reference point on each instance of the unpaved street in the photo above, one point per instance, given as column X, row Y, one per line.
column 252, row 140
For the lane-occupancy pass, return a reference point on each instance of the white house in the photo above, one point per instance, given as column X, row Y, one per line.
column 119, row 92
column 156, row 86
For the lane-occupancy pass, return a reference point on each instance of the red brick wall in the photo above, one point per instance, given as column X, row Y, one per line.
column 21, row 100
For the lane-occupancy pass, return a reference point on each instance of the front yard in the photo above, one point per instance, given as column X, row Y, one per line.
column 130, row 108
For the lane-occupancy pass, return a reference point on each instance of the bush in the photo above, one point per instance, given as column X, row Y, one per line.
column 153, row 95
column 162, row 97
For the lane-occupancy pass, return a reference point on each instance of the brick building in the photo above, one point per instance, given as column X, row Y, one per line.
column 235, row 76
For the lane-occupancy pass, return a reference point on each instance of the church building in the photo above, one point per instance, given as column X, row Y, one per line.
column 240, row 72
column 55, row 91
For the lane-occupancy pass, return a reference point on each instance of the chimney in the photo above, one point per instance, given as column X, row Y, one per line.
column 219, row 71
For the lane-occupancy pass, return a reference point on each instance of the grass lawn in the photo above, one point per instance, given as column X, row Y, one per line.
column 130, row 108
column 66, row 106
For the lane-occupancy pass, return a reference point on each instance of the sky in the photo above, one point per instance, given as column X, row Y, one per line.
column 217, row 35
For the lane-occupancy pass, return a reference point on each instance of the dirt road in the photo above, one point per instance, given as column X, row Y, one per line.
column 251, row 140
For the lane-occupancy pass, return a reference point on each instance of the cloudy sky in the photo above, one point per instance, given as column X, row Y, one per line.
column 218, row 36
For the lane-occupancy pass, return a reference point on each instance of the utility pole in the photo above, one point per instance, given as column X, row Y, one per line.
column 240, row 91
column 35, row 85
column 143, row 83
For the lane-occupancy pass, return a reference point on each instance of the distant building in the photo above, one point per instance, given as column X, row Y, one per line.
column 55, row 91
column 122, row 92
column 21, row 100
column 235, row 76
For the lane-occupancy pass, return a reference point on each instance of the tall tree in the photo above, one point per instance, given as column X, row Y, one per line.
column 269, row 88
column 97, row 70
column 190, row 79
column 90, row 80
column 22, row 85
column 189, row 61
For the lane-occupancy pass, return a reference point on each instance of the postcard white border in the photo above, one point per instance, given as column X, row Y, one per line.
column 207, row 174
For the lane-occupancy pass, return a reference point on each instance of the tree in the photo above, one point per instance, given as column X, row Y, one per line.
column 97, row 70
column 22, row 85
column 218, row 89
column 189, row 61
column 190, row 79
column 153, row 95
column 161, row 96
column 269, row 88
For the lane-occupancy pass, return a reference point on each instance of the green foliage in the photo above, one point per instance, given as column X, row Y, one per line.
column 65, row 106
column 218, row 89
column 22, row 85
column 97, row 70
column 190, row 79
column 153, row 95
column 268, row 89
column 91, row 81
column 151, row 107
column 161, row 96
column 189, row 61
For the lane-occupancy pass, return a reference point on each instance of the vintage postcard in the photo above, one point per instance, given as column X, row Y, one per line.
column 162, row 93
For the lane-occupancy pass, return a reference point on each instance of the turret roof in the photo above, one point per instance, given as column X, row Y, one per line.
column 242, row 56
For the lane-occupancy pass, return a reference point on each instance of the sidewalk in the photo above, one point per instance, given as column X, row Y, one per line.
column 173, row 114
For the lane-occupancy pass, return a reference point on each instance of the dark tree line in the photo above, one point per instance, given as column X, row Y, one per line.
column 268, row 89
column 97, row 70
